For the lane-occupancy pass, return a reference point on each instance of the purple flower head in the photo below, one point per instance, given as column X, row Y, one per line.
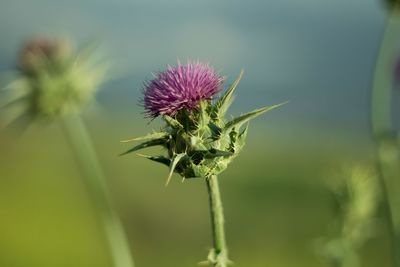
column 180, row 87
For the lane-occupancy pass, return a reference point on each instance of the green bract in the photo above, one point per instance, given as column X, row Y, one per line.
column 202, row 142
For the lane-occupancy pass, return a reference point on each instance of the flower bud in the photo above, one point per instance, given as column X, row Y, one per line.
column 53, row 79
column 40, row 51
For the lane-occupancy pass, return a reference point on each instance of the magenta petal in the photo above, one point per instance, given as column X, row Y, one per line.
column 180, row 87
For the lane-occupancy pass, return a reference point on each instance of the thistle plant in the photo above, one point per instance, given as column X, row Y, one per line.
column 357, row 194
column 199, row 141
column 54, row 82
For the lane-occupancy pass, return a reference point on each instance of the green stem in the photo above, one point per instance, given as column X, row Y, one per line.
column 382, row 80
column 219, row 255
column 386, row 179
column 94, row 179
column 381, row 121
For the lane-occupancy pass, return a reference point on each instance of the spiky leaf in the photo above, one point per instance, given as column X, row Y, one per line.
column 203, row 117
column 215, row 153
column 154, row 135
column 174, row 161
column 241, row 139
column 159, row 159
column 150, row 143
column 210, row 154
column 233, row 135
column 226, row 100
column 215, row 130
column 172, row 122
column 239, row 121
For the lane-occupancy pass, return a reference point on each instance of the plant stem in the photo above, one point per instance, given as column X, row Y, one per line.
column 381, row 120
column 219, row 254
column 382, row 79
column 94, row 179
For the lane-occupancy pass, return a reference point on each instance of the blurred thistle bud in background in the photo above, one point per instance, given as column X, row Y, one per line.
column 39, row 51
column 361, row 201
column 53, row 79
column 357, row 194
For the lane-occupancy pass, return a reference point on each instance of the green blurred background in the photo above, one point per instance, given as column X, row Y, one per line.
column 318, row 54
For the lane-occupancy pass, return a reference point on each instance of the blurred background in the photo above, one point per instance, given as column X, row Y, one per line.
column 319, row 55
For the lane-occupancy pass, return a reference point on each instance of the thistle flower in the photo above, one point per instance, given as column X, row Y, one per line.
column 180, row 87
column 199, row 141
column 52, row 79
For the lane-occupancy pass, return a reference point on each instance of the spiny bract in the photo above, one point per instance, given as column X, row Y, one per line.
column 200, row 142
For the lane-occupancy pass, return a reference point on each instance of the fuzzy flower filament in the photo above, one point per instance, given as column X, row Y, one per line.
column 180, row 87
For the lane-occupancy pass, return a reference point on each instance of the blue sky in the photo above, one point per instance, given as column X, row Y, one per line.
column 319, row 54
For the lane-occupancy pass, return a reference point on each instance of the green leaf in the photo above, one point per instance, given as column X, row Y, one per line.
column 154, row 135
column 238, row 121
column 233, row 135
column 203, row 117
column 241, row 138
column 15, row 92
column 174, row 161
column 226, row 100
column 159, row 159
column 172, row 122
column 150, row 143
column 211, row 153
column 243, row 134
column 215, row 130
column 214, row 153
column 21, row 100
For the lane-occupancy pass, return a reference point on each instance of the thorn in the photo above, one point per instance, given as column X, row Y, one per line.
column 142, row 155
column 128, row 140
column 168, row 179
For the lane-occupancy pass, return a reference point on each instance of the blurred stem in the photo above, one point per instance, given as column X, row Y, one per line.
column 94, row 179
column 381, row 122
column 219, row 256
column 382, row 80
